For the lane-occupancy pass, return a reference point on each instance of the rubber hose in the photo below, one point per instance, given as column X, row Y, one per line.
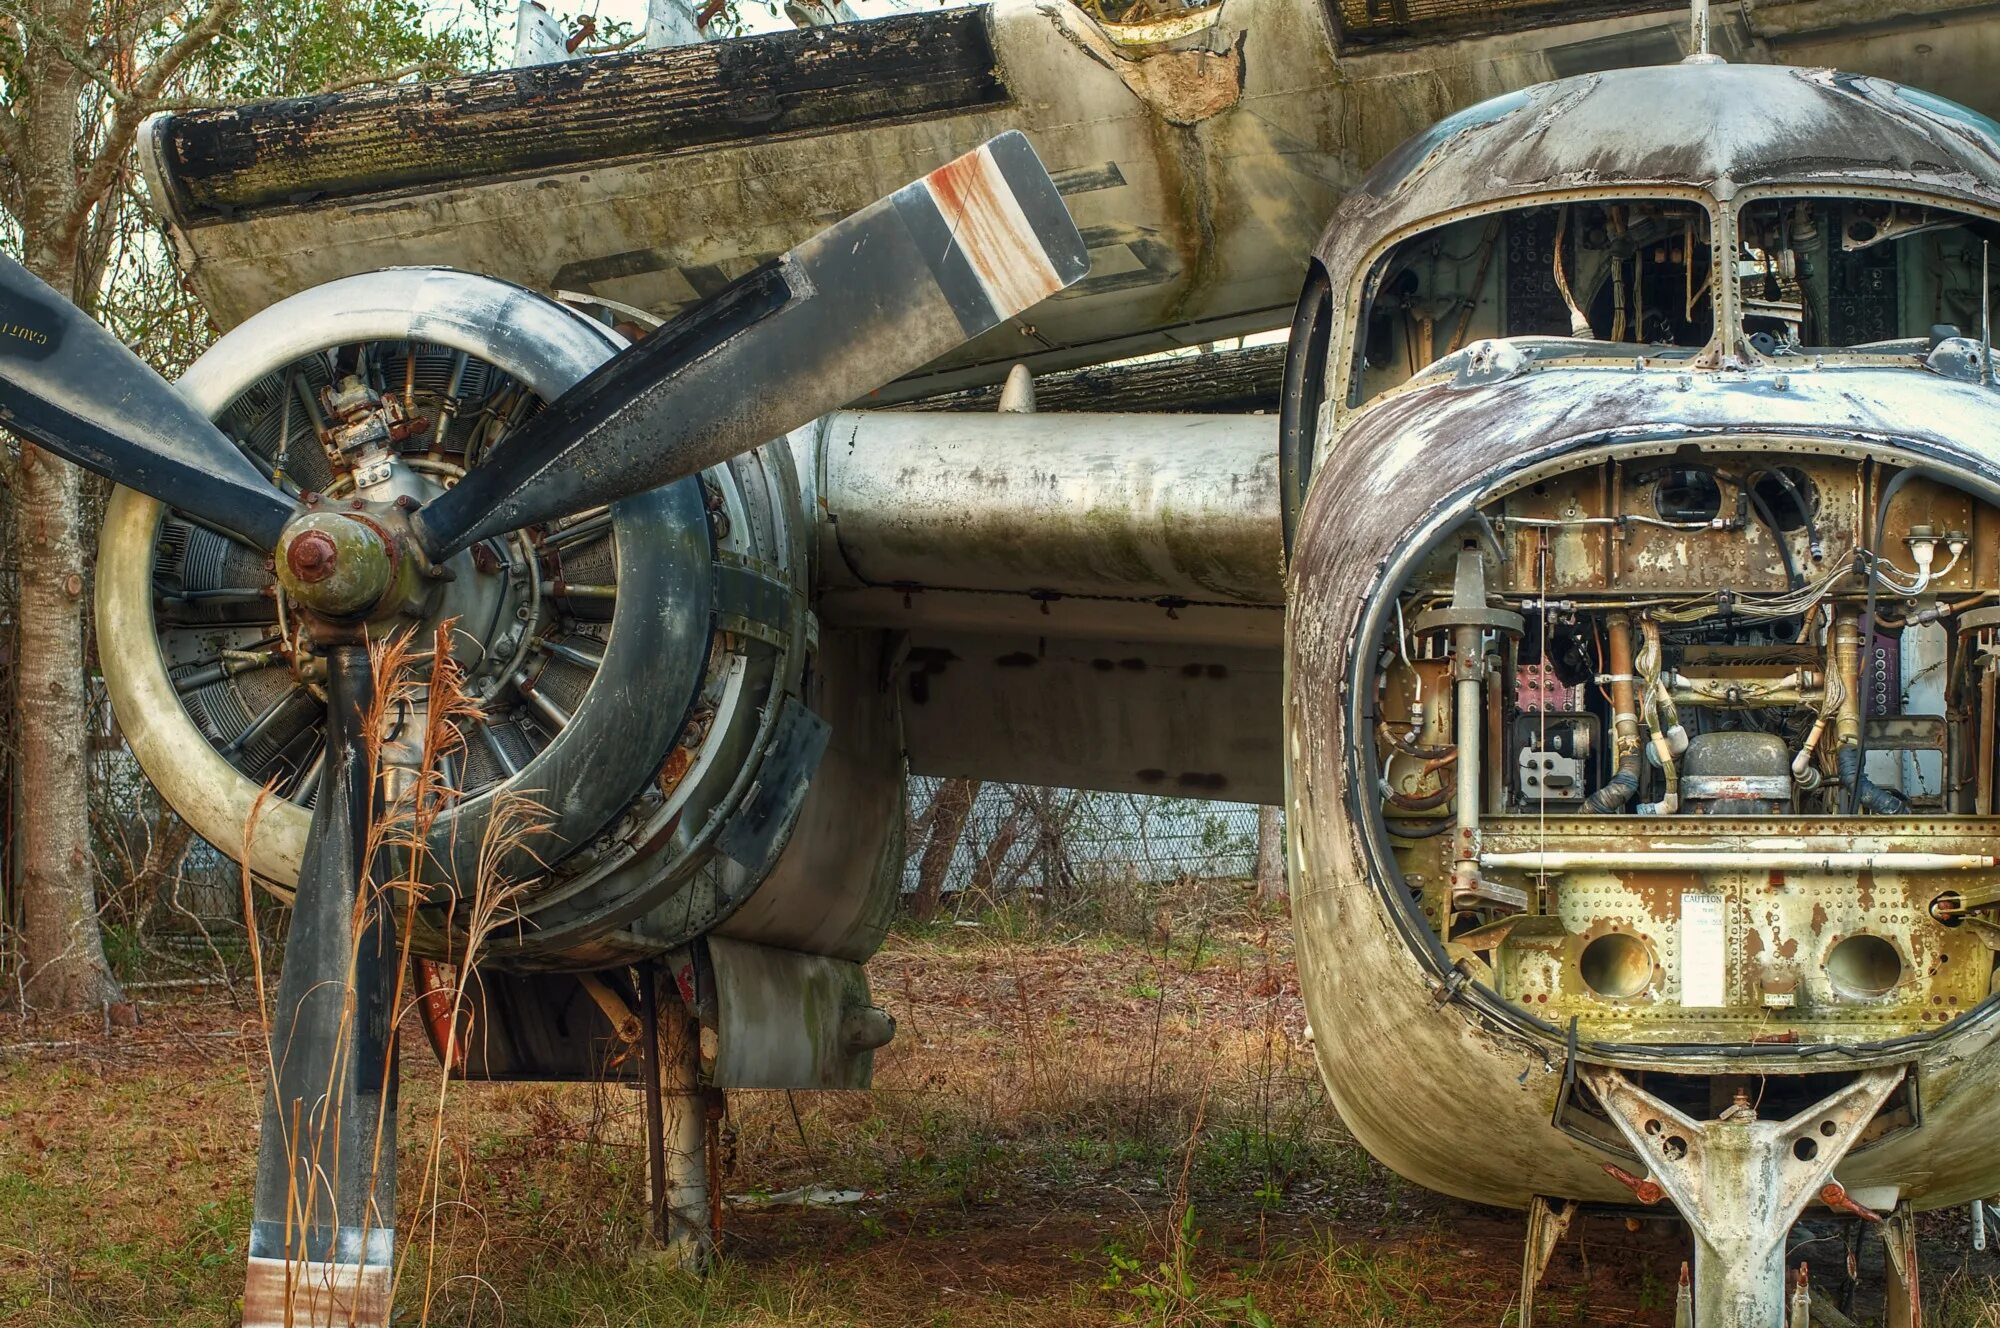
column 1763, row 509
column 1620, row 790
column 1864, row 792
column 1405, row 802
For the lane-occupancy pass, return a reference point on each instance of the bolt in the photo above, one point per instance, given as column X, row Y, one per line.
column 1646, row 1191
column 312, row 556
column 1834, row 1195
column 309, row 498
column 407, row 503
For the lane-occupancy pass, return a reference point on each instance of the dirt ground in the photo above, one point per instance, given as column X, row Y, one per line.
column 1067, row 1129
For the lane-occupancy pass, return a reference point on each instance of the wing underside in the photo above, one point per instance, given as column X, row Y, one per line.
column 1092, row 601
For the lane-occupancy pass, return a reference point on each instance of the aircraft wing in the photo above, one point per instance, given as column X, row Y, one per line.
column 1200, row 154
column 1090, row 601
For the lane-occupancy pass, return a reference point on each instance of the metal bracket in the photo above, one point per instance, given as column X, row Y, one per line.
column 754, row 599
column 1547, row 1225
column 1741, row 1183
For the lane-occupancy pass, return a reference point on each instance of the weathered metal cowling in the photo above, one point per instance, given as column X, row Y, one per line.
column 638, row 670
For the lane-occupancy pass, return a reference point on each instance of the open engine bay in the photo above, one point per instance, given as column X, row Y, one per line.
column 1694, row 742
column 1656, row 755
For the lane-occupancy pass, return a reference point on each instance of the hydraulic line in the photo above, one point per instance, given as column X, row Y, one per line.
column 1669, row 739
column 1624, row 785
column 1406, row 744
column 1813, row 546
column 1763, row 509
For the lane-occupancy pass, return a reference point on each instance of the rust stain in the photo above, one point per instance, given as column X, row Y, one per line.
column 1819, row 919
column 1659, row 892
column 678, row 763
column 991, row 230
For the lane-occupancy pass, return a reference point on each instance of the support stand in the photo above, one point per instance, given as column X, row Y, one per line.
column 1548, row 1222
column 1899, row 1246
column 1741, row 1183
column 677, row 1180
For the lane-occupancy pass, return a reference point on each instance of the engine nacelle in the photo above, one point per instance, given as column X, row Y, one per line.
column 642, row 672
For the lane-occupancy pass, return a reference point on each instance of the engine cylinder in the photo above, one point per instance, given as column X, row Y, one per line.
column 640, row 748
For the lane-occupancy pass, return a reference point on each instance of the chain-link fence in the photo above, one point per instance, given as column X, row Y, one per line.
column 992, row 840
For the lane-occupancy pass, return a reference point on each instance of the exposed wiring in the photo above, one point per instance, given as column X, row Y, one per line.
column 1857, row 786
column 1579, row 325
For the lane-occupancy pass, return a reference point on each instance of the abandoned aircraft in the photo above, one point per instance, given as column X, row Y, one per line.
column 1612, row 599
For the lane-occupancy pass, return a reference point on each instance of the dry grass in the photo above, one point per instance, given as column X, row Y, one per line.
column 1067, row 1131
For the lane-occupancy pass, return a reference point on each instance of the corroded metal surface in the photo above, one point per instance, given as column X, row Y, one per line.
column 1747, row 127
column 1201, row 160
column 1502, row 418
column 1129, row 507
column 1092, row 601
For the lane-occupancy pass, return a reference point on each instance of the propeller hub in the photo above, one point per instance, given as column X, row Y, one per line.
column 313, row 556
column 337, row 565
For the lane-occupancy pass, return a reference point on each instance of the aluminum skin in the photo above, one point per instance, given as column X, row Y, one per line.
column 1438, row 1078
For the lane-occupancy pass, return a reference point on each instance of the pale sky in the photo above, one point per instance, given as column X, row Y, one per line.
column 758, row 15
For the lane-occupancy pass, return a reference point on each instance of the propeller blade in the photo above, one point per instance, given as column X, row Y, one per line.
column 883, row 293
column 322, row 1229
column 69, row 385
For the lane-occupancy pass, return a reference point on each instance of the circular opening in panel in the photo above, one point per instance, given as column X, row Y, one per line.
column 1864, row 966
column 1616, row 965
column 1687, row 493
column 1788, row 495
column 1805, row 1150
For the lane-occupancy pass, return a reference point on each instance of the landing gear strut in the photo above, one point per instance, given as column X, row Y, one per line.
column 678, row 1156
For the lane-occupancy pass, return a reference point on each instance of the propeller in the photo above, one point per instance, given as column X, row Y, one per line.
column 322, row 1229
column 68, row 384
column 898, row 284
column 885, row 292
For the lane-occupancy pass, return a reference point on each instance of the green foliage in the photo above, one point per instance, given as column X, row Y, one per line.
column 1173, row 1291
column 291, row 48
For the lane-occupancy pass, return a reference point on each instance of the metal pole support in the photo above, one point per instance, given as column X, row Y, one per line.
column 1547, row 1225
column 676, row 1126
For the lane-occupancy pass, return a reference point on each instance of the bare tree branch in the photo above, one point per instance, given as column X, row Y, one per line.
column 132, row 110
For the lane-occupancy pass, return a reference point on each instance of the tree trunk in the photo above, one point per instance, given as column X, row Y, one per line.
column 950, row 807
column 987, row 871
column 1272, row 888
column 63, row 946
